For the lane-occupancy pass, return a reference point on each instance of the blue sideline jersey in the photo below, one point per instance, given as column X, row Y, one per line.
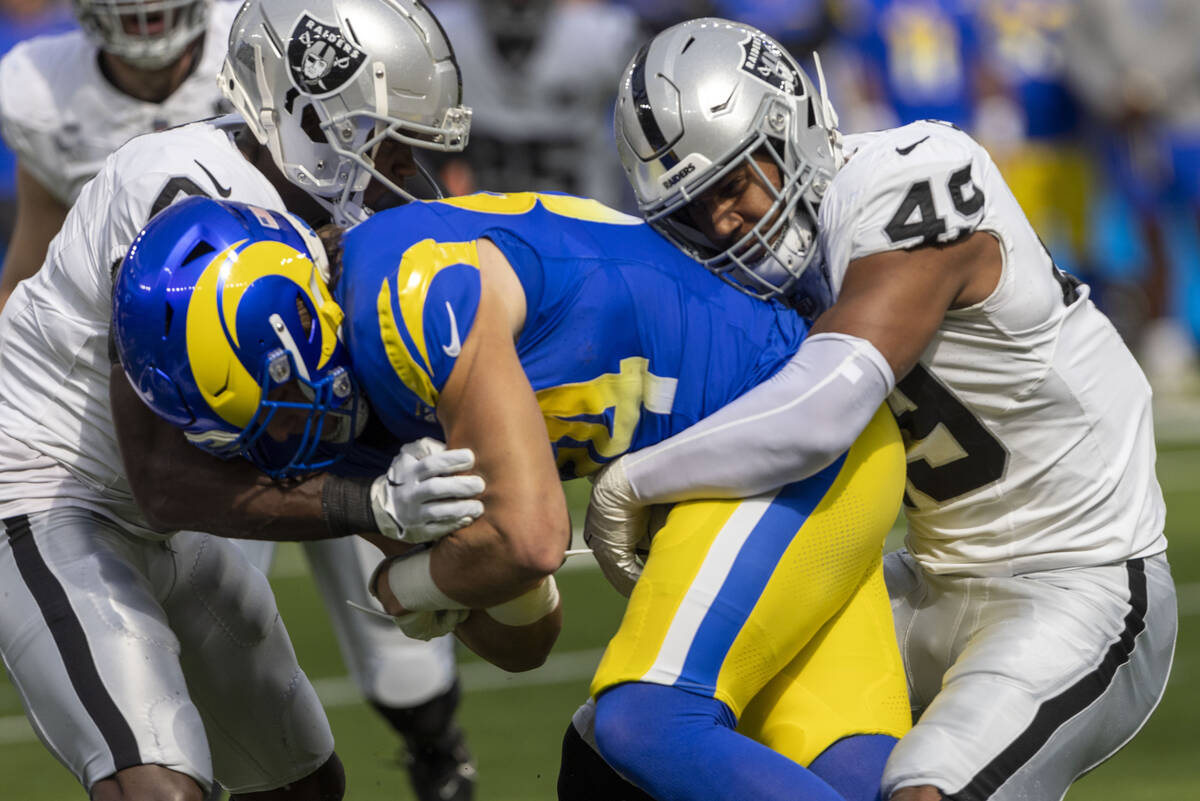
column 626, row 340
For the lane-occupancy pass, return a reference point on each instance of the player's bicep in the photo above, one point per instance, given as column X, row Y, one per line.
column 911, row 233
column 897, row 299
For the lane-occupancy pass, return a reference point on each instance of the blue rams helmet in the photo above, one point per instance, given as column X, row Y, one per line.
column 219, row 308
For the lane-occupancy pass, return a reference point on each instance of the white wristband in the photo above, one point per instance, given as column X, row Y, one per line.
column 528, row 608
column 411, row 581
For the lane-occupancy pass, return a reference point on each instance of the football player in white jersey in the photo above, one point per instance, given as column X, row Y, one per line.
column 68, row 100
column 152, row 662
column 1034, row 604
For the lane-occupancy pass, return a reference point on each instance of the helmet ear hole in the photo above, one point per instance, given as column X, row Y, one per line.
column 202, row 249
column 306, row 320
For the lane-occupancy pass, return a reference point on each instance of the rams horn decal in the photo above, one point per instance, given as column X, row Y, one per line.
column 212, row 343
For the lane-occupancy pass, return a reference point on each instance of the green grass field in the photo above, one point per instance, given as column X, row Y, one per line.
column 515, row 722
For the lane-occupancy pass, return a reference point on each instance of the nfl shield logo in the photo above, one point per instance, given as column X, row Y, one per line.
column 321, row 60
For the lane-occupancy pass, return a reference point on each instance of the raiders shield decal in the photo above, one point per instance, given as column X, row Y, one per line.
column 765, row 61
column 320, row 59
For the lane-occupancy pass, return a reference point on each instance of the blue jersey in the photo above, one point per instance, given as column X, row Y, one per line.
column 923, row 50
column 626, row 340
column 1025, row 43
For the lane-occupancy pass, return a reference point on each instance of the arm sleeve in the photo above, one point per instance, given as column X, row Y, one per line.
column 788, row 428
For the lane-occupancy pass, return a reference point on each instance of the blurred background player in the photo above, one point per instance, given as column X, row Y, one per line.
column 21, row 20
column 1032, row 124
column 58, row 451
column 538, row 76
column 68, row 100
column 1135, row 68
column 915, row 60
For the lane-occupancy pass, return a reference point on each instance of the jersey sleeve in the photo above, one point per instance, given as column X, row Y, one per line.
column 408, row 324
column 153, row 171
column 917, row 185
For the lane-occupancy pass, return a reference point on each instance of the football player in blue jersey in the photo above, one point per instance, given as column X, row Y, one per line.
column 491, row 321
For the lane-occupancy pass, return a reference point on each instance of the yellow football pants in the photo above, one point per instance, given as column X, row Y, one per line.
column 775, row 605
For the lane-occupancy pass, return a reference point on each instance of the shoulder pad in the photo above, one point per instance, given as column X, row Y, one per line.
column 908, row 187
column 409, row 312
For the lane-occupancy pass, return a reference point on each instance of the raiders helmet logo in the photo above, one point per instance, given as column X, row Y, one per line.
column 321, row 60
column 765, row 61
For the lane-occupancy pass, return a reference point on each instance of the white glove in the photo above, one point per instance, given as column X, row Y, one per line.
column 427, row 625
column 420, row 498
column 616, row 527
column 420, row 625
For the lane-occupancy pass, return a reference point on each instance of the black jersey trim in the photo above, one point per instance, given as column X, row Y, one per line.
column 1056, row 711
column 71, row 640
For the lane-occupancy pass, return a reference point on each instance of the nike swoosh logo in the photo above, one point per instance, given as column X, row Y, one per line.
column 223, row 191
column 455, row 347
column 904, row 151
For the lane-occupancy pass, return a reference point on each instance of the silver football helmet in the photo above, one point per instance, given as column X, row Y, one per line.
column 700, row 100
column 324, row 83
column 149, row 34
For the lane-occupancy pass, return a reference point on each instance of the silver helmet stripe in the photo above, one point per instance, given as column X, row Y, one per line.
column 645, row 112
column 449, row 45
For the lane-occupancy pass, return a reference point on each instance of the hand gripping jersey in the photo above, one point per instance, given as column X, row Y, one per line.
column 625, row 342
column 62, row 117
column 1027, row 420
column 56, row 434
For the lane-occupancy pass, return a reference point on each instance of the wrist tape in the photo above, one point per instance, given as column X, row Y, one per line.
column 346, row 506
column 411, row 581
column 528, row 608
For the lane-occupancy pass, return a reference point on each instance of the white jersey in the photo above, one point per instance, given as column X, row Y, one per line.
column 62, row 117
column 1027, row 420
column 56, row 433
column 545, row 122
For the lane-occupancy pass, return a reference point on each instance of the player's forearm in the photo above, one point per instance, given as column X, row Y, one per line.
column 257, row 508
column 178, row 486
column 786, row 429
column 231, row 500
column 514, row 648
column 481, row 567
